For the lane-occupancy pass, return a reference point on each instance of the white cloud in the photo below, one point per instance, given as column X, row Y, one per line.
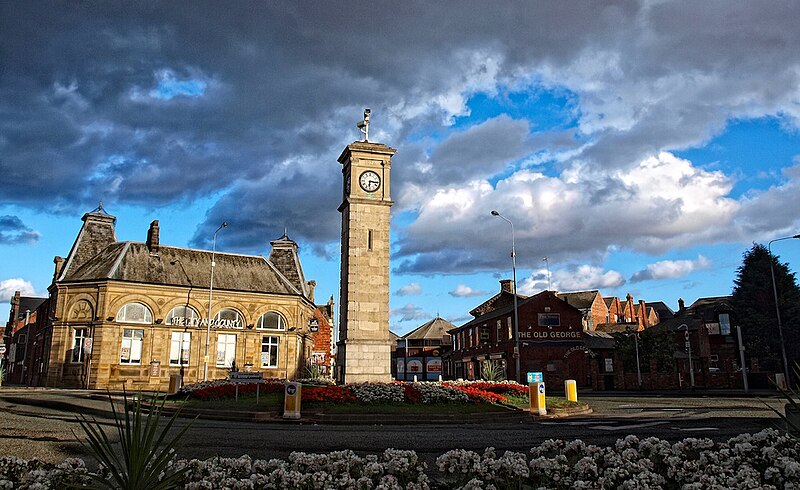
column 9, row 286
column 411, row 289
column 577, row 278
column 671, row 269
column 409, row 312
column 464, row 291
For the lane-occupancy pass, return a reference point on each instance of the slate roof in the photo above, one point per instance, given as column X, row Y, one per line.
column 662, row 309
column 598, row 340
column 617, row 327
column 579, row 299
column 28, row 303
column 133, row 262
column 434, row 329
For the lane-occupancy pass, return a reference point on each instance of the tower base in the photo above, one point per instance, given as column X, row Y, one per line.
column 364, row 361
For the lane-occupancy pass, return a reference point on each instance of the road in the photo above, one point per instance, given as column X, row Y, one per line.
column 40, row 423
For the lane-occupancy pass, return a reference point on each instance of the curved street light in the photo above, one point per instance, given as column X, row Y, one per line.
column 210, row 297
column 777, row 308
column 689, row 345
column 514, row 274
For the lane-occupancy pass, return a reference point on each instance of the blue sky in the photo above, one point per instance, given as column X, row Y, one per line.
column 641, row 146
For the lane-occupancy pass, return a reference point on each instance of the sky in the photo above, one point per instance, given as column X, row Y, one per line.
column 642, row 147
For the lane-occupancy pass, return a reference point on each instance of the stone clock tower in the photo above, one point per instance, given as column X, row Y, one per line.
column 364, row 347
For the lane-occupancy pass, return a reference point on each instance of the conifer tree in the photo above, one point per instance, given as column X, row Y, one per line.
column 754, row 305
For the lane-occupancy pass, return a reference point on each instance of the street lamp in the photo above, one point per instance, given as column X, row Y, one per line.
column 636, row 343
column 514, row 274
column 547, row 263
column 211, row 297
column 777, row 308
column 689, row 345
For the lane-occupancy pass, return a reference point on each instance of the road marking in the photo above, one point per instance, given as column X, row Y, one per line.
column 626, row 427
column 695, row 429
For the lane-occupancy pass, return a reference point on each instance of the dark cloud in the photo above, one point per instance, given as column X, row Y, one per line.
column 13, row 231
column 154, row 103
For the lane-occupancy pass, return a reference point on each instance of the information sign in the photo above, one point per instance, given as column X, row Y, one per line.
column 535, row 377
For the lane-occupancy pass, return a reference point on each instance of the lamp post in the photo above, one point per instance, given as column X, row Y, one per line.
column 689, row 345
column 514, row 276
column 777, row 308
column 636, row 344
column 210, row 298
column 547, row 263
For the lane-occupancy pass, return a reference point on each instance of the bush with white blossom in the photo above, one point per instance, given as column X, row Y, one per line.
column 769, row 459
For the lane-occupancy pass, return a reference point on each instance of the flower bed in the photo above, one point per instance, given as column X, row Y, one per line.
column 369, row 393
column 768, row 459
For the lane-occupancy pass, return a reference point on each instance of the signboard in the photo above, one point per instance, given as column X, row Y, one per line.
column 609, row 365
column 434, row 365
column 550, row 335
column 313, row 325
column 415, row 366
column 318, row 358
column 535, row 377
column 87, row 345
column 291, row 401
column 245, row 377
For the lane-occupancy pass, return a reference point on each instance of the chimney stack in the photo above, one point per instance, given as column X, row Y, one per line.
column 59, row 262
column 506, row 286
column 152, row 237
column 681, row 305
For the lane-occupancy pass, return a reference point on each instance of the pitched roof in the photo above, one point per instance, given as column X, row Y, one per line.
column 609, row 300
column 617, row 327
column 28, row 303
column 133, row 262
column 433, row 329
column 662, row 309
column 598, row 340
column 579, row 299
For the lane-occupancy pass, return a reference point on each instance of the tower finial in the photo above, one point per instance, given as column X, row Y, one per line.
column 363, row 126
column 285, row 235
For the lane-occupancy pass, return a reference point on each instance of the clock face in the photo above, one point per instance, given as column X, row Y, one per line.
column 369, row 181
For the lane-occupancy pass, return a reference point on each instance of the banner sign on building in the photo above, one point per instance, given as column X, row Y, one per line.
column 415, row 365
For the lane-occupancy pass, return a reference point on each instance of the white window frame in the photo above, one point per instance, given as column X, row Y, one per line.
column 133, row 343
column 122, row 313
column 226, row 345
column 270, row 342
column 78, row 345
column 218, row 319
column 180, row 342
column 281, row 321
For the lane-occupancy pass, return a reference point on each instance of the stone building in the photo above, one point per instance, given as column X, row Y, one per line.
column 134, row 313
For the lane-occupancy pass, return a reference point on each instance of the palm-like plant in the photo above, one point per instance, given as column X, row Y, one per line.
column 792, row 407
column 491, row 371
column 145, row 454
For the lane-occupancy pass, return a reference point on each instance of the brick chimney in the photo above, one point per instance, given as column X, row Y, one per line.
column 152, row 237
column 681, row 306
column 507, row 286
column 643, row 320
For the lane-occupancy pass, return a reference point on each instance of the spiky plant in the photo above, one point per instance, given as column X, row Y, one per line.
column 792, row 397
column 314, row 371
column 491, row 371
column 142, row 458
column 2, row 374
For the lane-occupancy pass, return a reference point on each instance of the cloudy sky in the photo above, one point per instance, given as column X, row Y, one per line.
column 641, row 147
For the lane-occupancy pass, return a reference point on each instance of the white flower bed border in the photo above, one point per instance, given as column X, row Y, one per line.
column 769, row 459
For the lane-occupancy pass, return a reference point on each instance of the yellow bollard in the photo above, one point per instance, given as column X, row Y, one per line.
column 571, row 390
column 537, row 400
column 291, row 400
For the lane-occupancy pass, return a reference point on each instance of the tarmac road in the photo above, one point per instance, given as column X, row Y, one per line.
column 40, row 423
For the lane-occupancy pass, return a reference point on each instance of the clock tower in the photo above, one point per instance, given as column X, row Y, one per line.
column 365, row 345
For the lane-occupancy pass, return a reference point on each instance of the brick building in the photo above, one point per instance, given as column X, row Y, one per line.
column 421, row 351
column 552, row 340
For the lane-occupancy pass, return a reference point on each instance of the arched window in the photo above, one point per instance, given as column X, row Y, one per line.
column 183, row 316
column 271, row 321
column 228, row 318
column 135, row 313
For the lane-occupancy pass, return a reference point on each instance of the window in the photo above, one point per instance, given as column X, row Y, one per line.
column 226, row 349
column 179, row 349
column 369, row 240
column 79, row 338
column 549, row 319
column 724, row 324
column 183, row 316
column 484, row 333
column 228, row 318
column 269, row 352
column 271, row 321
column 131, row 346
column 498, row 334
column 510, row 331
column 135, row 313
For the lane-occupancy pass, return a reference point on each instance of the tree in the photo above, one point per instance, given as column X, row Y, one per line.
column 754, row 306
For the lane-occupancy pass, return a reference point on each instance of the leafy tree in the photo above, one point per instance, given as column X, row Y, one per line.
column 654, row 344
column 754, row 305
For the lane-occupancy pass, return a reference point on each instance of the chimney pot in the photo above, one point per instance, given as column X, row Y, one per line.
column 153, row 237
